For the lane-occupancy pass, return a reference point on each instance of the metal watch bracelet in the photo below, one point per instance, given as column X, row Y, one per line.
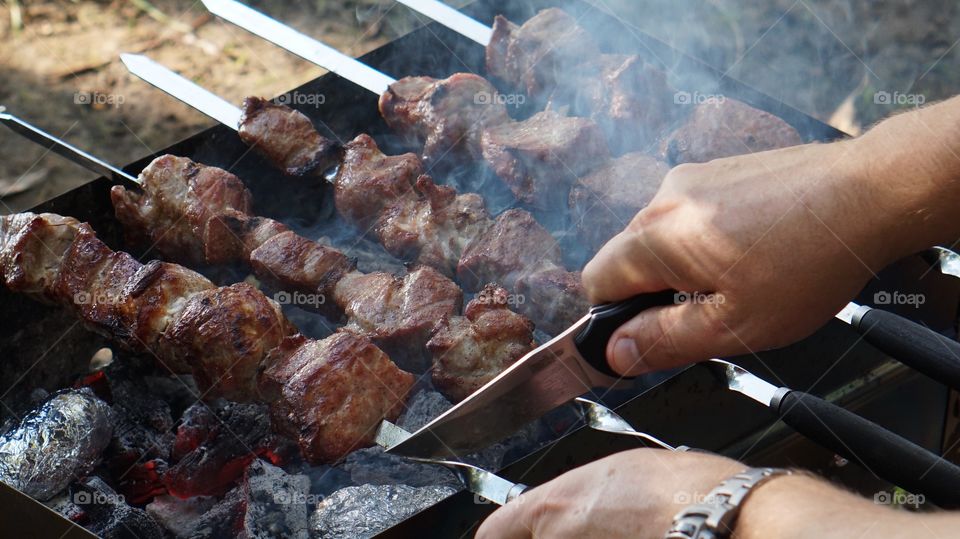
column 714, row 516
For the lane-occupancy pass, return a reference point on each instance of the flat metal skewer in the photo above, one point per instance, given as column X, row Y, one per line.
column 477, row 480
column 67, row 150
column 452, row 19
column 599, row 417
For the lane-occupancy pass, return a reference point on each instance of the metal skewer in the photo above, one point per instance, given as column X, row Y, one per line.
column 452, row 19
column 599, row 417
column 67, row 150
column 477, row 480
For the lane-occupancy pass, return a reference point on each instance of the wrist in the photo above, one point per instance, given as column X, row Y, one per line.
column 907, row 170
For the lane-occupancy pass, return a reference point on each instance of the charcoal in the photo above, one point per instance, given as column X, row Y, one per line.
column 63, row 504
column 225, row 519
column 142, row 438
column 365, row 510
column 55, row 443
column 214, row 444
column 276, row 502
column 180, row 517
column 107, row 514
column 373, row 466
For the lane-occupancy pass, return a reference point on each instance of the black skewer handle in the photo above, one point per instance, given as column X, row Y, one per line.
column 592, row 340
column 913, row 345
column 880, row 451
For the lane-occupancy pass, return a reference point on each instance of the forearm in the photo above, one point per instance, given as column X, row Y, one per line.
column 800, row 506
column 909, row 167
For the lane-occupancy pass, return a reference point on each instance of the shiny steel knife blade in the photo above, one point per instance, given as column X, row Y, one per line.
column 300, row 44
column 183, row 89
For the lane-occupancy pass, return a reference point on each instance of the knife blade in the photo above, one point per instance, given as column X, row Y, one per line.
column 566, row 367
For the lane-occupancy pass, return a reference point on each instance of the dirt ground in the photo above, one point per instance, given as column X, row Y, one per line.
column 61, row 70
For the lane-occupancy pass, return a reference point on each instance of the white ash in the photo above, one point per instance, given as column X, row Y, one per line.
column 276, row 503
column 107, row 514
column 180, row 517
column 365, row 510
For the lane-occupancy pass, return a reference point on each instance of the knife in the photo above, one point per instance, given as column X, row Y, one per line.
column 880, row 451
column 567, row 366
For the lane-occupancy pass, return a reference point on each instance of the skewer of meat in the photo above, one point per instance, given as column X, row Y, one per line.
column 201, row 215
column 330, row 394
column 433, row 225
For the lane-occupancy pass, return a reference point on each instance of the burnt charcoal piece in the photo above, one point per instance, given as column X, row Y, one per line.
column 444, row 116
column 543, row 52
column 366, row 510
column 224, row 520
column 309, row 384
column 470, row 350
column 604, row 201
column 55, row 443
column 724, row 127
column 180, row 517
column 540, row 158
column 214, row 445
column 142, row 436
column 286, row 138
column 516, row 244
column 107, row 514
column 276, row 503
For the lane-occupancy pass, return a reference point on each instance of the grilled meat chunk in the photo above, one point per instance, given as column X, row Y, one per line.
column 604, row 201
column 369, row 181
column 332, row 394
column 516, row 244
column 552, row 295
column 539, row 158
column 293, row 263
column 538, row 55
column 471, row 350
column 723, row 128
column 444, row 116
column 174, row 211
column 286, row 138
column 225, row 333
column 434, row 228
column 398, row 314
column 31, row 247
column 628, row 98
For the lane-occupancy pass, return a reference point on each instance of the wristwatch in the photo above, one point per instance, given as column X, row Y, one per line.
column 714, row 516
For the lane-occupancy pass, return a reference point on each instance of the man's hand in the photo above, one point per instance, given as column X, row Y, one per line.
column 631, row 494
column 765, row 248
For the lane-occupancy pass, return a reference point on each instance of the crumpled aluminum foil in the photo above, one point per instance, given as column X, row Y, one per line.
column 55, row 443
column 364, row 511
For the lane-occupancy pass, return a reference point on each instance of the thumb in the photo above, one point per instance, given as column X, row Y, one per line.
column 668, row 337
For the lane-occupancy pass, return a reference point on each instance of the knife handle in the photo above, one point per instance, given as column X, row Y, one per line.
column 881, row 452
column 912, row 344
column 606, row 318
